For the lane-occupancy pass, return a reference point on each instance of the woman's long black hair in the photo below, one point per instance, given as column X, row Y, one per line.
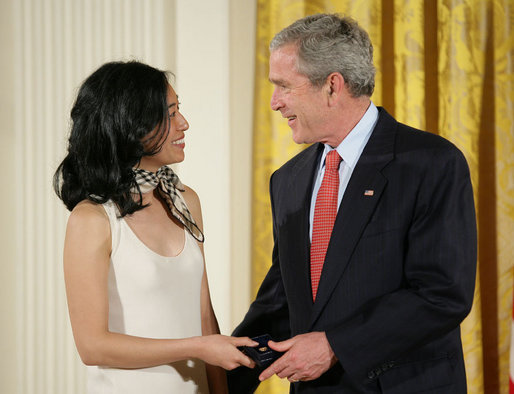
column 116, row 110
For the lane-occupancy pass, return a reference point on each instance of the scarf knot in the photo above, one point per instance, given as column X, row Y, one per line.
column 169, row 187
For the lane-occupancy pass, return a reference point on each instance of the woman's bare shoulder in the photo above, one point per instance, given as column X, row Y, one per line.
column 88, row 233
column 88, row 214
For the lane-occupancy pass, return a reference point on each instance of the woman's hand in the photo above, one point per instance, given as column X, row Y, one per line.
column 222, row 350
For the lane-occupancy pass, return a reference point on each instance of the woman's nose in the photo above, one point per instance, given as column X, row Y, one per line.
column 183, row 124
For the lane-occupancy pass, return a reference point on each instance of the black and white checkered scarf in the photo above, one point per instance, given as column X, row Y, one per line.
column 168, row 184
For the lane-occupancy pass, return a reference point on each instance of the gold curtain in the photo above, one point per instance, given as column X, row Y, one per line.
column 445, row 66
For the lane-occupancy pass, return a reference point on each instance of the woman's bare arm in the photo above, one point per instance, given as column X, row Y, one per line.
column 86, row 266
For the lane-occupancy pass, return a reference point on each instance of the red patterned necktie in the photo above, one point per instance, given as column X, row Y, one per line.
column 325, row 213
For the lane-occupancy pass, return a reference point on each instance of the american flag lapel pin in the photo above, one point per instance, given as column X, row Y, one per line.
column 369, row 192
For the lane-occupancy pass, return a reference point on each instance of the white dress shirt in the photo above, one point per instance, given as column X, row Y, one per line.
column 350, row 150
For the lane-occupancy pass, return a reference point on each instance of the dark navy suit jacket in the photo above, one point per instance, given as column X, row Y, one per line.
column 399, row 273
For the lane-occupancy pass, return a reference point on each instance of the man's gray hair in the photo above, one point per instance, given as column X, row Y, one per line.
column 330, row 43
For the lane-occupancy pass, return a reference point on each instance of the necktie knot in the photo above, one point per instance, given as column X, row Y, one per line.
column 332, row 161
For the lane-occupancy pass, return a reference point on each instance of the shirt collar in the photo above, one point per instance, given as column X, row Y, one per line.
column 353, row 144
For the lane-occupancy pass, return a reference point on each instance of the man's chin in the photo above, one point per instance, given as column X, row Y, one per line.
column 298, row 139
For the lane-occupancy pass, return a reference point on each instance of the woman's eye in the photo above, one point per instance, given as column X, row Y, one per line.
column 172, row 115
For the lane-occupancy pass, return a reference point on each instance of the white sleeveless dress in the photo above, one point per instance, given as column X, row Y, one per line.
column 152, row 296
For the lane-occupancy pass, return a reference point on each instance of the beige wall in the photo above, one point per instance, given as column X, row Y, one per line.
column 37, row 350
column 8, row 288
column 242, row 64
column 214, row 82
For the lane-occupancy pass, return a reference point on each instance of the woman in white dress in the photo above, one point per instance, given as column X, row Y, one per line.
column 136, row 284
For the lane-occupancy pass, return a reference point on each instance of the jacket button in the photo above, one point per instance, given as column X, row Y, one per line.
column 372, row 375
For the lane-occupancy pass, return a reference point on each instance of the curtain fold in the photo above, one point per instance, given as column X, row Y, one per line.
column 445, row 66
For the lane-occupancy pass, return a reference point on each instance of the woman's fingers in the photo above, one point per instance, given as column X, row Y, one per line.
column 244, row 341
column 229, row 356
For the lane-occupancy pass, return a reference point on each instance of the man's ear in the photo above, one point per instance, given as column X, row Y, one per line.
column 334, row 87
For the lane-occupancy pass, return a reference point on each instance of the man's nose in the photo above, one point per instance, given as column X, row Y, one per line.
column 276, row 103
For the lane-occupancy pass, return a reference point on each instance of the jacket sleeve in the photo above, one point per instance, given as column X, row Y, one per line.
column 268, row 314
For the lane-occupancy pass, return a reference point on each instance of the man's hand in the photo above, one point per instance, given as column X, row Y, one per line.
column 306, row 357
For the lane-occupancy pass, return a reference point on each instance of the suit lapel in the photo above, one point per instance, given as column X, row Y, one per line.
column 300, row 186
column 356, row 207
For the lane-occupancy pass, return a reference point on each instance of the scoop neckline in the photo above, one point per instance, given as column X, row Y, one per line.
column 153, row 251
